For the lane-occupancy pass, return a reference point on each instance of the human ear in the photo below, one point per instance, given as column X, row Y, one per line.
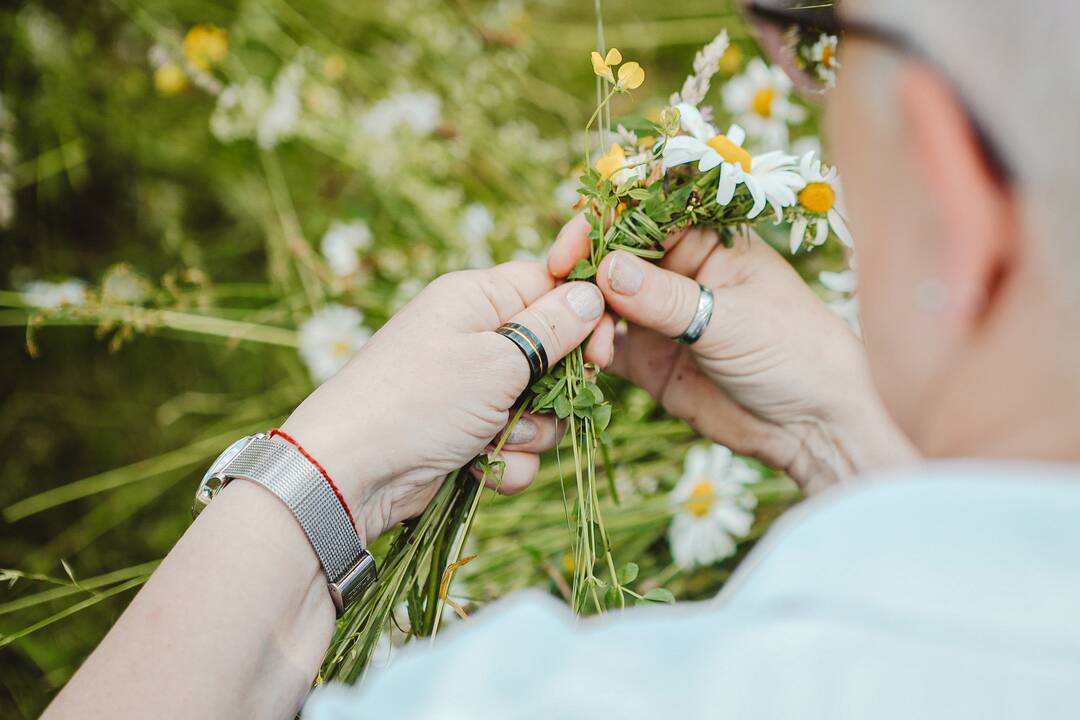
column 971, row 206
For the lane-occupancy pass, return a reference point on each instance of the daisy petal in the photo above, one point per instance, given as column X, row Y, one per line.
column 822, row 232
column 736, row 134
column 683, row 149
column 840, row 228
column 692, row 121
column 758, row 194
column 725, row 190
column 798, row 231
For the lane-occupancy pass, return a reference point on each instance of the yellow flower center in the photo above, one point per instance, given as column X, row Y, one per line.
column 611, row 162
column 762, row 102
column 817, row 197
column 826, row 56
column 342, row 348
column 701, row 499
column 731, row 152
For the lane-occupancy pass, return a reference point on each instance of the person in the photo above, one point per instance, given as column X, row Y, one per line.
column 937, row 575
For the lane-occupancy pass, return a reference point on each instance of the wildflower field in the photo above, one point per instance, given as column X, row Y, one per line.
column 206, row 208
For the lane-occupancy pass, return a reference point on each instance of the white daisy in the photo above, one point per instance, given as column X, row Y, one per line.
column 341, row 243
column 770, row 178
column 759, row 100
column 329, row 338
column 823, row 54
column 50, row 295
column 820, row 205
column 714, row 506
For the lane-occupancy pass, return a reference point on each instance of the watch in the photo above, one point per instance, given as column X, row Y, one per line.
column 285, row 469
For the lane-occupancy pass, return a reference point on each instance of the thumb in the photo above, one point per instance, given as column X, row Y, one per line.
column 560, row 320
column 648, row 295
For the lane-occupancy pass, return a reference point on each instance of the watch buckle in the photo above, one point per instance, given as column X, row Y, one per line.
column 352, row 584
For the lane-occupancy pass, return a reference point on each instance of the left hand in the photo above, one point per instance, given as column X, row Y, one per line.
column 435, row 386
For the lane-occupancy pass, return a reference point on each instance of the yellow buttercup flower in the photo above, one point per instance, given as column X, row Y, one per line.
column 170, row 79
column 601, row 65
column 206, row 45
column 611, row 162
column 631, row 76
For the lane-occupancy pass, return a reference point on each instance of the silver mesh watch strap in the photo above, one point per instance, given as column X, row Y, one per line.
column 283, row 470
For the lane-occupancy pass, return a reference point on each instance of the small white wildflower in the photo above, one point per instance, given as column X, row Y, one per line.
column 477, row 224
column 280, row 119
column 420, row 112
column 50, row 295
column 406, row 291
column 566, row 193
column 714, row 506
column 342, row 242
column 329, row 338
column 121, row 284
column 238, row 110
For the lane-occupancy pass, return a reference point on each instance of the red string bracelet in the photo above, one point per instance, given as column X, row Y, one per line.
column 289, row 439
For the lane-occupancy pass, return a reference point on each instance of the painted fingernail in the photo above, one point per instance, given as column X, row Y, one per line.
column 585, row 301
column 624, row 275
column 524, row 431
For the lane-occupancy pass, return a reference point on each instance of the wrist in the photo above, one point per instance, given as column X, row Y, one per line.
column 353, row 471
column 850, row 442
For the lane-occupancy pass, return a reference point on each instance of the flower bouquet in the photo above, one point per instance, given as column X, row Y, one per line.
column 648, row 179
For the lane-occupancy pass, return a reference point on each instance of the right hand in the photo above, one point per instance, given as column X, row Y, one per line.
column 776, row 375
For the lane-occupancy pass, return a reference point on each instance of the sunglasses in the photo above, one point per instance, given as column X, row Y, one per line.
column 802, row 37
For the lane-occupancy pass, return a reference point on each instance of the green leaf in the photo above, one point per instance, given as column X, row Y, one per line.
column 612, row 597
column 641, row 193
column 594, row 390
column 583, row 270
column 628, row 574
column 545, row 401
column 660, row 595
column 562, row 407
column 640, row 252
column 601, row 416
column 584, row 401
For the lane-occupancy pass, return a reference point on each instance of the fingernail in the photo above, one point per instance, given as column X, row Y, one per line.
column 585, row 300
column 524, row 431
column 624, row 275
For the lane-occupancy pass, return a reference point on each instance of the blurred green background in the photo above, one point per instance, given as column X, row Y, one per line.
column 197, row 237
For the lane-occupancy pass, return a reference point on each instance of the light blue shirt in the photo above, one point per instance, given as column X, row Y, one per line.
column 951, row 591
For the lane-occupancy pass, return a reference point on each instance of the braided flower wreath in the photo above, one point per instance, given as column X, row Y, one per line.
column 655, row 177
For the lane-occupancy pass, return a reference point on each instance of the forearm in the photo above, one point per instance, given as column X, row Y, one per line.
column 233, row 623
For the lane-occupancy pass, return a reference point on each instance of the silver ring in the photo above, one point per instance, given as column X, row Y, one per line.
column 701, row 318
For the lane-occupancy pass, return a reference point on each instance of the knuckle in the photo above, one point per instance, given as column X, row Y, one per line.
column 672, row 308
column 546, row 328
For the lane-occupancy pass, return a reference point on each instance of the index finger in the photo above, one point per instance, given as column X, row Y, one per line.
column 571, row 244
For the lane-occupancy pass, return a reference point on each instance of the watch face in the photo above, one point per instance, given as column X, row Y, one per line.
column 211, row 483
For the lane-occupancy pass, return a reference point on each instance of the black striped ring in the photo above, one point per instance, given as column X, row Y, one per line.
column 530, row 346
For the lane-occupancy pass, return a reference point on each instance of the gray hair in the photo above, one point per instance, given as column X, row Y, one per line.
column 1016, row 64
